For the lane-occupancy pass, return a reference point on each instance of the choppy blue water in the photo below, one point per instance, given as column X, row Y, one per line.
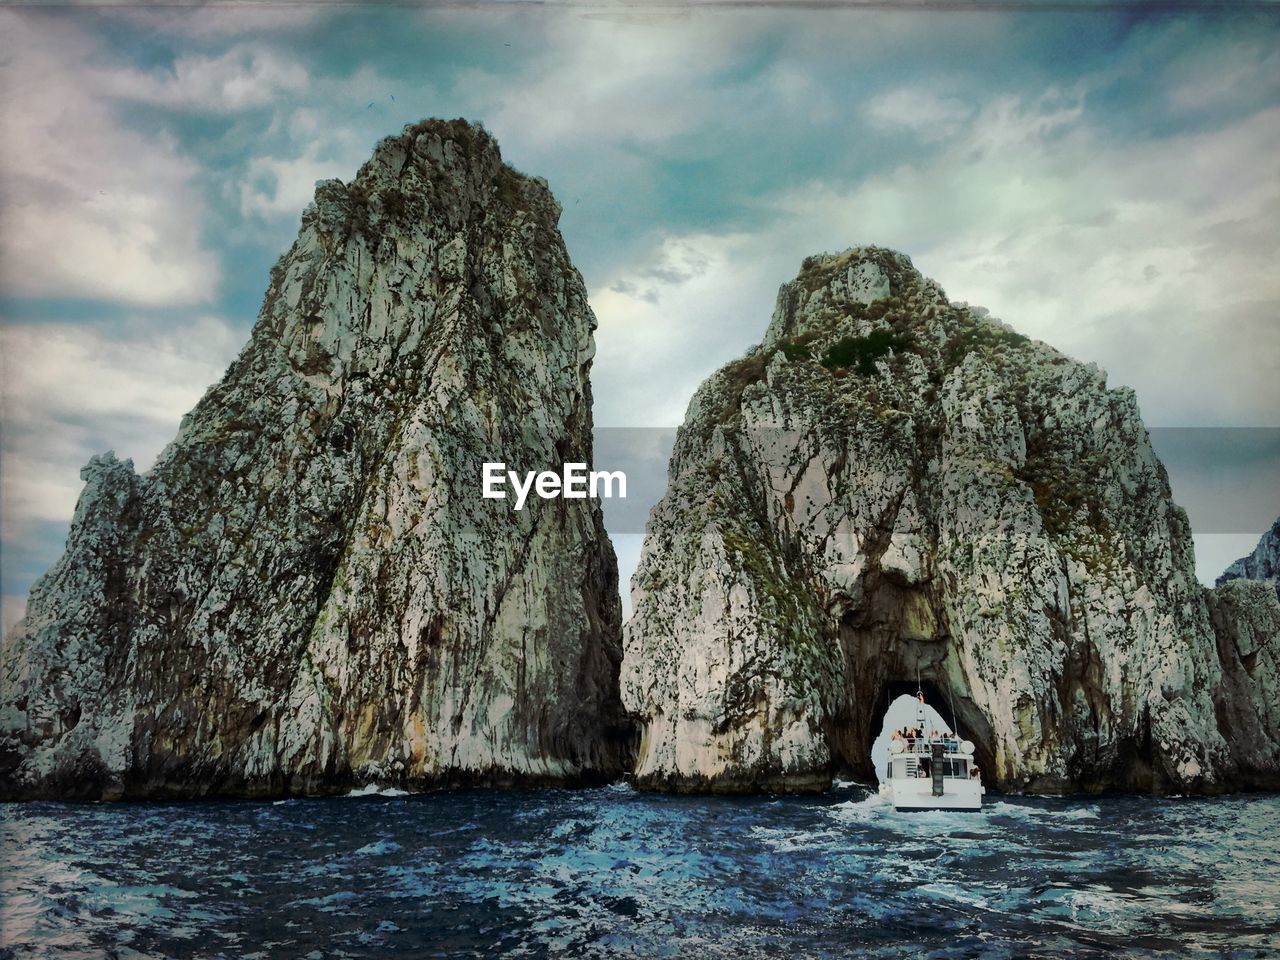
column 610, row 872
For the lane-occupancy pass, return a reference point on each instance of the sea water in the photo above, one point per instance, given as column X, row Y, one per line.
column 612, row 872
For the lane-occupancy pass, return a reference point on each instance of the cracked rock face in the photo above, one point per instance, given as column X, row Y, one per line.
column 307, row 592
column 894, row 484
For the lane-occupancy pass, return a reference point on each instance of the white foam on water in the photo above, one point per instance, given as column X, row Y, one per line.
column 331, row 903
column 373, row 790
column 1084, row 813
column 1025, row 812
column 1098, row 907
column 379, row 847
column 570, row 827
column 956, row 893
column 785, row 841
column 857, row 811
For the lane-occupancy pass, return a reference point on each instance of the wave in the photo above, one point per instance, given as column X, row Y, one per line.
column 786, row 840
column 1023, row 811
column 852, row 811
column 373, row 790
column 955, row 892
column 378, row 848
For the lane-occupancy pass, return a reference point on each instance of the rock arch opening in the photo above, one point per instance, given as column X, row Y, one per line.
column 904, row 710
column 861, row 747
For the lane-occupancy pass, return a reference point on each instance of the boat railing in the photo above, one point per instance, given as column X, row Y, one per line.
column 957, row 768
column 923, row 746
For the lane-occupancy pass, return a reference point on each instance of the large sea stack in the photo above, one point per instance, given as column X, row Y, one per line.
column 307, row 592
column 896, row 486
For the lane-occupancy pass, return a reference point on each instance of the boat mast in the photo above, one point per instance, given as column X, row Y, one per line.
column 919, row 701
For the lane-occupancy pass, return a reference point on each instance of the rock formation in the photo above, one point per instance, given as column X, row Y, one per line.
column 1263, row 564
column 307, row 592
column 894, row 484
column 1245, row 609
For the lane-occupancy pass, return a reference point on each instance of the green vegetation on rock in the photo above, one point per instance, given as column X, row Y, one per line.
column 862, row 352
column 981, row 336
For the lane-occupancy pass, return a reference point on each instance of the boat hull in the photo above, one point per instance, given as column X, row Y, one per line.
column 917, row 794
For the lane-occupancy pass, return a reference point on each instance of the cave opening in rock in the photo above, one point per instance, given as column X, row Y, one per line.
column 896, row 705
column 861, row 740
column 903, row 709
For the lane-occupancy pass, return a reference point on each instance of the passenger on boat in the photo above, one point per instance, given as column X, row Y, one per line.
column 973, row 772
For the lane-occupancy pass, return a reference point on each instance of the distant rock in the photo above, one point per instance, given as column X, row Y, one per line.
column 1245, row 608
column 307, row 593
column 897, row 485
column 1246, row 620
column 1262, row 564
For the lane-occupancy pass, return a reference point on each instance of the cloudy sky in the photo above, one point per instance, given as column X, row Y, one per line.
column 1104, row 179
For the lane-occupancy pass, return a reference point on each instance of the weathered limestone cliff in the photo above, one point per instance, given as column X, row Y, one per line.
column 307, row 592
column 893, row 483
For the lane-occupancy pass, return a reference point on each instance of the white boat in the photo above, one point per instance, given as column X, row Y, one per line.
column 933, row 772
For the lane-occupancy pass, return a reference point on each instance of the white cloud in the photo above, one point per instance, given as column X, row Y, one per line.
column 283, row 186
column 927, row 115
column 71, row 391
column 669, row 321
column 1151, row 258
column 698, row 300
column 597, row 82
column 627, row 548
column 92, row 208
column 279, row 185
column 244, row 76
